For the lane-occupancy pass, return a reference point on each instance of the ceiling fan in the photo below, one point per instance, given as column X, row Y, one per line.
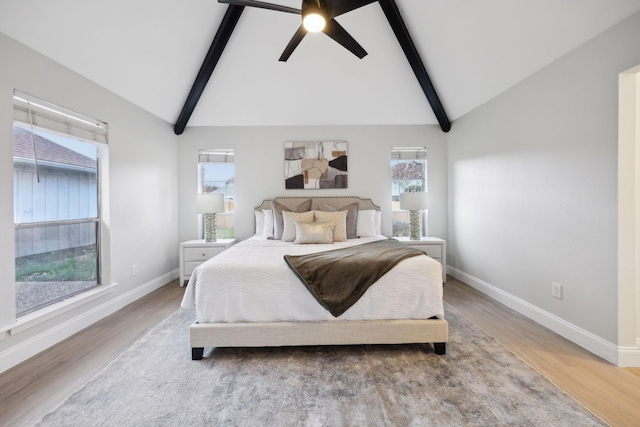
column 317, row 16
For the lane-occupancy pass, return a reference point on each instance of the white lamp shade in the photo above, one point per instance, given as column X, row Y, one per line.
column 210, row 203
column 414, row 201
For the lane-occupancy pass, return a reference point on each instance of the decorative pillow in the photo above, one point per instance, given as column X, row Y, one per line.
column 278, row 224
column 259, row 222
column 289, row 221
column 366, row 223
column 377, row 216
column 352, row 217
column 267, row 231
column 339, row 220
column 314, row 232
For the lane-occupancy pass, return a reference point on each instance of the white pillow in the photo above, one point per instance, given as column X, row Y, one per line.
column 377, row 215
column 289, row 220
column 339, row 220
column 259, row 222
column 366, row 224
column 268, row 223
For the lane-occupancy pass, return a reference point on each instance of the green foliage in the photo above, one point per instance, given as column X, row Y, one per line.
column 224, row 233
column 70, row 265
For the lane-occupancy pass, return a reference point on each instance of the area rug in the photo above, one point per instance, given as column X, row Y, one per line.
column 477, row 383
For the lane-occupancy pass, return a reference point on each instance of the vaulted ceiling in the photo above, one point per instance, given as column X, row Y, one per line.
column 150, row 52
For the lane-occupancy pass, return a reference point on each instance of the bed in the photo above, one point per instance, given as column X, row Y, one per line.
column 248, row 296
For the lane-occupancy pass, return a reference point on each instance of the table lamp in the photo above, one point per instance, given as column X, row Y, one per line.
column 414, row 202
column 209, row 204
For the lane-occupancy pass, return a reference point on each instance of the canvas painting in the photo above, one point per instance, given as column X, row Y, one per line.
column 315, row 164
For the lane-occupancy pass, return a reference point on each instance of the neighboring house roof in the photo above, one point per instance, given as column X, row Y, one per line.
column 227, row 189
column 47, row 151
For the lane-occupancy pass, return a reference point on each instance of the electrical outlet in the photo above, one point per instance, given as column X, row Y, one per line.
column 556, row 290
column 134, row 269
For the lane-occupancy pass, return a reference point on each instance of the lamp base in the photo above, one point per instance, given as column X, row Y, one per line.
column 414, row 221
column 210, row 227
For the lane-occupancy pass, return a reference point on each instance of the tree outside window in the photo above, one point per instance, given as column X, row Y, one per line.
column 216, row 174
column 408, row 174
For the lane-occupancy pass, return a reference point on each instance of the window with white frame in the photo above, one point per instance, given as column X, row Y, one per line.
column 57, row 220
column 216, row 174
column 408, row 174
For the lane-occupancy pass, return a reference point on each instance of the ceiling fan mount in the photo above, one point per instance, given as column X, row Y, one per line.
column 317, row 16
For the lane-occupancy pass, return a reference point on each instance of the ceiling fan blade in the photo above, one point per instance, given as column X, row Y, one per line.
column 339, row 34
column 262, row 5
column 338, row 7
column 293, row 43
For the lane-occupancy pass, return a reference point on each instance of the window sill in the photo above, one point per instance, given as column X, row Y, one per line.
column 37, row 317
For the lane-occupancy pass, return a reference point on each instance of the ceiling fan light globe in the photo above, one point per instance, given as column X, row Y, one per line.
column 314, row 22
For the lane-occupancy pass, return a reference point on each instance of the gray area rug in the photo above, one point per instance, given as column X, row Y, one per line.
column 477, row 383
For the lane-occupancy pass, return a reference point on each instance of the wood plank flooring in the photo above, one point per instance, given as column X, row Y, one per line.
column 33, row 388
column 610, row 392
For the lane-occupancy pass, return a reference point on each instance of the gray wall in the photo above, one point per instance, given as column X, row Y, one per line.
column 259, row 157
column 533, row 184
column 530, row 179
column 143, row 182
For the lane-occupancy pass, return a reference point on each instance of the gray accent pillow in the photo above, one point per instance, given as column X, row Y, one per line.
column 278, row 222
column 352, row 217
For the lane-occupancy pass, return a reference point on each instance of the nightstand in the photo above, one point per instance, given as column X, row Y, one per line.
column 195, row 252
column 433, row 247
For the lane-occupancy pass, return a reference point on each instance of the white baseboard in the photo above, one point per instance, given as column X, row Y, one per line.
column 600, row 347
column 629, row 357
column 34, row 345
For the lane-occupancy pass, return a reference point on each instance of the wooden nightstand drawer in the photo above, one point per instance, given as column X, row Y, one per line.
column 200, row 254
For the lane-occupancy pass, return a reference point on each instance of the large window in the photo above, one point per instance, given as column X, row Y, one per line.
column 56, row 202
column 216, row 174
column 408, row 174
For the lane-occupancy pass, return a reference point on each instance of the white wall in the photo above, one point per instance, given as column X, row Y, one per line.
column 143, row 189
column 629, row 217
column 533, row 185
column 260, row 168
column 530, row 178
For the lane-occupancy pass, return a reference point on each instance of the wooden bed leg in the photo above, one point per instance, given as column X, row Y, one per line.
column 196, row 353
column 440, row 347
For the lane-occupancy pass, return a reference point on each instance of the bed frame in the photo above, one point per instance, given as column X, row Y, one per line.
column 335, row 332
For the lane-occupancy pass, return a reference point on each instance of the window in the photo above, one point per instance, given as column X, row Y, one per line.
column 56, row 160
column 408, row 174
column 216, row 174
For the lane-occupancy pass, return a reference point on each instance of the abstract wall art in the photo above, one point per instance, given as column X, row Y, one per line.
column 315, row 164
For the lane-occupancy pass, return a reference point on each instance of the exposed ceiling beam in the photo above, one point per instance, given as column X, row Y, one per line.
column 220, row 40
column 390, row 9
column 229, row 22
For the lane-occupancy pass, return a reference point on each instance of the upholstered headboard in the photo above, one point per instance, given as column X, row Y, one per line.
column 336, row 202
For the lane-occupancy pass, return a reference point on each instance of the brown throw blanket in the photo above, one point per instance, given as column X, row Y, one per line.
column 338, row 278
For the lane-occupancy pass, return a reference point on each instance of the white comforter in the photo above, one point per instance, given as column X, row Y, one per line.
column 250, row 282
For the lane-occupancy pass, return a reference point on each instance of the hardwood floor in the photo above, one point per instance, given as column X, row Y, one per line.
column 33, row 388
column 610, row 392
